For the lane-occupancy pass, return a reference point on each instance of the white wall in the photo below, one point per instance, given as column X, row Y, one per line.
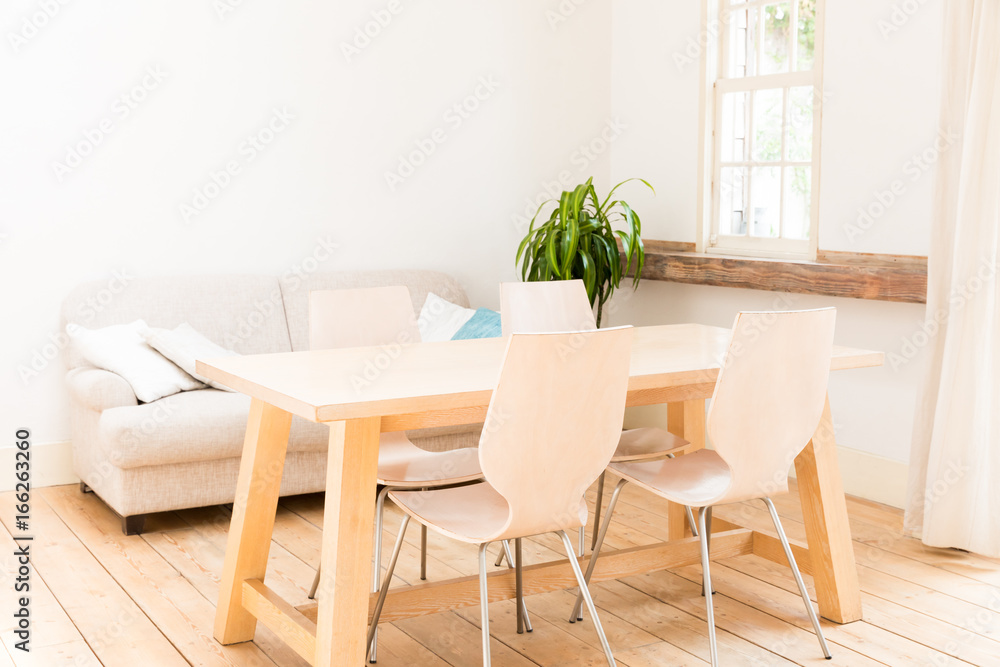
column 882, row 79
column 321, row 177
column 564, row 70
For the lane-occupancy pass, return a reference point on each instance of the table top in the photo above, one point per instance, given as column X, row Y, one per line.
column 351, row 383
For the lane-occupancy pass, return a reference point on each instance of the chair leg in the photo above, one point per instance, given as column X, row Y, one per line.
column 597, row 509
column 708, row 540
column 585, row 592
column 577, row 614
column 707, row 584
column 423, row 553
column 523, row 621
column 500, row 558
column 484, row 604
column 798, row 578
column 691, row 521
column 377, row 559
column 384, row 588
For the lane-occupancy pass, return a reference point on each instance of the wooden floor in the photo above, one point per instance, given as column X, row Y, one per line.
column 100, row 598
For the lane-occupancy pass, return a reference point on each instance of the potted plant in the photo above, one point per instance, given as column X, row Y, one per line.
column 578, row 241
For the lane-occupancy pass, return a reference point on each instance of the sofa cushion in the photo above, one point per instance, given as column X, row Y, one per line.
column 420, row 283
column 241, row 313
column 198, row 425
column 122, row 349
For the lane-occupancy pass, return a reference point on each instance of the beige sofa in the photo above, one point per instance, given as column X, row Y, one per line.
column 184, row 450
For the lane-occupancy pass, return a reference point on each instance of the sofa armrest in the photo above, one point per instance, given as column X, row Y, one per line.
column 99, row 389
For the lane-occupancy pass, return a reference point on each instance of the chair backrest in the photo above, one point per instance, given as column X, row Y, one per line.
column 553, row 424
column 537, row 307
column 361, row 317
column 770, row 396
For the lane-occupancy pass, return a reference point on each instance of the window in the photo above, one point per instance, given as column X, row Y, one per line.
column 762, row 128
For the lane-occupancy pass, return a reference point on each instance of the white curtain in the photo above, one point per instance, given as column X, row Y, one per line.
column 954, row 492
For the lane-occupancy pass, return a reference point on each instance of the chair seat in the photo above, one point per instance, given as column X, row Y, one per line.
column 695, row 480
column 403, row 464
column 638, row 444
column 473, row 514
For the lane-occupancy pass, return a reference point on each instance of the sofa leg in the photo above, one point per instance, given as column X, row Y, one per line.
column 133, row 525
column 84, row 488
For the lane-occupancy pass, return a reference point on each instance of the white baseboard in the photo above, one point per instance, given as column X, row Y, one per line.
column 51, row 465
column 874, row 477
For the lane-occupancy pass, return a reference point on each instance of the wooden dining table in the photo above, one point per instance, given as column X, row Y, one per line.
column 362, row 392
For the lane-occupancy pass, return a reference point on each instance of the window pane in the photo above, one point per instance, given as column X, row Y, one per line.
column 742, row 43
column 732, row 201
column 798, row 201
column 806, row 35
column 777, row 33
column 765, row 195
column 768, row 107
column 734, row 127
column 799, row 141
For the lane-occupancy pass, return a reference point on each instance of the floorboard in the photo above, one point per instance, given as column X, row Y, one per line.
column 101, row 598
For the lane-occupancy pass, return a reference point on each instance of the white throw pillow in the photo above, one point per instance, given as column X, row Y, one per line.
column 440, row 319
column 184, row 346
column 122, row 349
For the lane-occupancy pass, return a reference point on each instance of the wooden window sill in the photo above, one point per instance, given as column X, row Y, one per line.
column 900, row 278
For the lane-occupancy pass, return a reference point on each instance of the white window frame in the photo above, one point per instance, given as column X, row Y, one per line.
column 715, row 15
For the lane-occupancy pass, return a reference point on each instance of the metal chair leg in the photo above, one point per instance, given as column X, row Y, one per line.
column 423, row 553
column 585, row 592
column 484, row 604
column 315, row 584
column 384, row 588
column 708, row 541
column 577, row 614
column 523, row 621
column 691, row 521
column 500, row 558
column 798, row 577
column 707, row 584
column 377, row 559
column 597, row 509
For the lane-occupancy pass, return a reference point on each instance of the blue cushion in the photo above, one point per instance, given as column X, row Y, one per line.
column 485, row 323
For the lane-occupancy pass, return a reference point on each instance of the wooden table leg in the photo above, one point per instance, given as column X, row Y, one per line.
column 348, row 521
column 254, row 509
column 686, row 420
column 824, row 509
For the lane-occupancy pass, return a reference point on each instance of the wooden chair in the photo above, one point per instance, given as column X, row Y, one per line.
column 537, row 465
column 768, row 400
column 563, row 305
column 370, row 317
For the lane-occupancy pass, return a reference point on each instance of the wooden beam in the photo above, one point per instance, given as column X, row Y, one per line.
column 281, row 618
column 769, row 547
column 900, row 278
column 434, row 598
